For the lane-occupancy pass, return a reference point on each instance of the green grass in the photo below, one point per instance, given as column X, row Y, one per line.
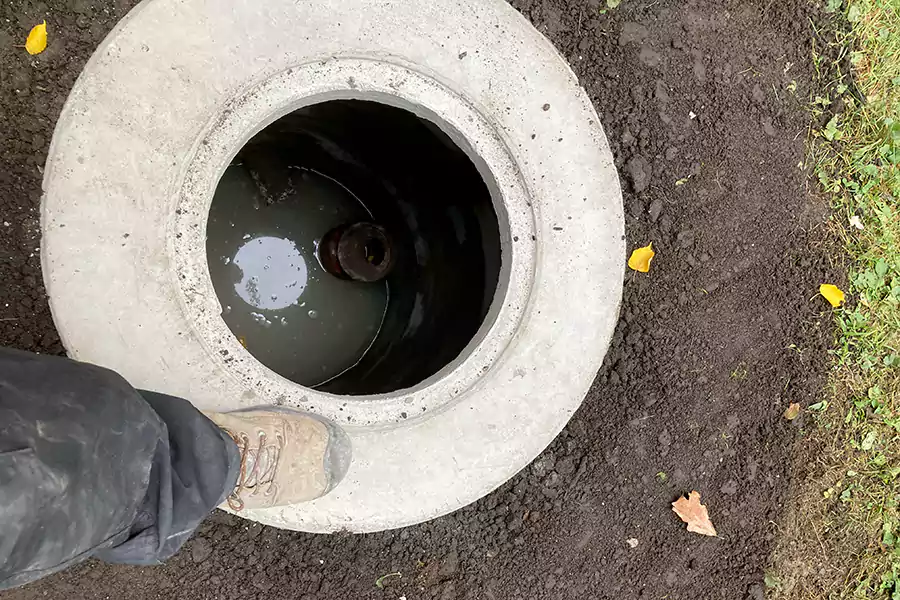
column 842, row 539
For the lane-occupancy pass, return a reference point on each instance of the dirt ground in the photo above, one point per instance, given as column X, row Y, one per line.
column 699, row 100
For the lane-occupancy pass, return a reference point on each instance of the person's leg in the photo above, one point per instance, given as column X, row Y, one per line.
column 89, row 466
column 195, row 468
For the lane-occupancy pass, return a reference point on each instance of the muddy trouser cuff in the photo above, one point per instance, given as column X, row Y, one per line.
column 89, row 466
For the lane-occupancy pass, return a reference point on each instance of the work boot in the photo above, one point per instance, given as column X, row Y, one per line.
column 286, row 456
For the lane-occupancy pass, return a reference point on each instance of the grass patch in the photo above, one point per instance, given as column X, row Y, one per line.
column 841, row 539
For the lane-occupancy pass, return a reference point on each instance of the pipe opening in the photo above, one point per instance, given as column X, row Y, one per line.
column 354, row 247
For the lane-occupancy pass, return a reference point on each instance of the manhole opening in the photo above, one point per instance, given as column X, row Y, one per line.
column 422, row 259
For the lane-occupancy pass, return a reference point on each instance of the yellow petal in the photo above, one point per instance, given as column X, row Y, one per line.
column 37, row 39
column 831, row 292
column 640, row 258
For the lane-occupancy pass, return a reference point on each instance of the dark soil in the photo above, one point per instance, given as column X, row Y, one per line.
column 712, row 345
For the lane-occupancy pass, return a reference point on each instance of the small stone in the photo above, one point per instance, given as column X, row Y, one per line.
column 566, row 466
column 546, row 107
column 730, row 488
column 755, row 592
column 543, row 464
column 632, row 542
column 48, row 340
column 758, row 95
column 649, row 57
column 699, row 67
column 632, row 33
column 200, row 550
column 449, row 566
column 640, row 171
column 262, row 582
column 449, row 592
column 636, row 207
column 662, row 91
column 665, row 438
column 656, row 206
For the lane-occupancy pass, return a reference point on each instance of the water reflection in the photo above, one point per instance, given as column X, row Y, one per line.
column 273, row 273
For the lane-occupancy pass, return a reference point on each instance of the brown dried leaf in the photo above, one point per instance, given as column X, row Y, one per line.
column 792, row 411
column 694, row 514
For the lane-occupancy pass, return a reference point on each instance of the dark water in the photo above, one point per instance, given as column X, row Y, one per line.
column 295, row 318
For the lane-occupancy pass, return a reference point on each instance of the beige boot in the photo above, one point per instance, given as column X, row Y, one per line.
column 286, row 456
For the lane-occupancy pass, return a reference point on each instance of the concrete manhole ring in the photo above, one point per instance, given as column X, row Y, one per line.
column 174, row 93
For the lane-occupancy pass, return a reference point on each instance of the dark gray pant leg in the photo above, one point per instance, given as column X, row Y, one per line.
column 90, row 467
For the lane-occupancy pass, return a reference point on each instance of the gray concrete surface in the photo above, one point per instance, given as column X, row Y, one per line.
column 171, row 96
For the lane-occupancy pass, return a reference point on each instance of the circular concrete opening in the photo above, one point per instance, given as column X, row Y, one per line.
column 478, row 230
column 330, row 165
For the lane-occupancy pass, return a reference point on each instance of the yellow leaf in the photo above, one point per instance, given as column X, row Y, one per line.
column 694, row 514
column 792, row 411
column 831, row 292
column 37, row 39
column 641, row 257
